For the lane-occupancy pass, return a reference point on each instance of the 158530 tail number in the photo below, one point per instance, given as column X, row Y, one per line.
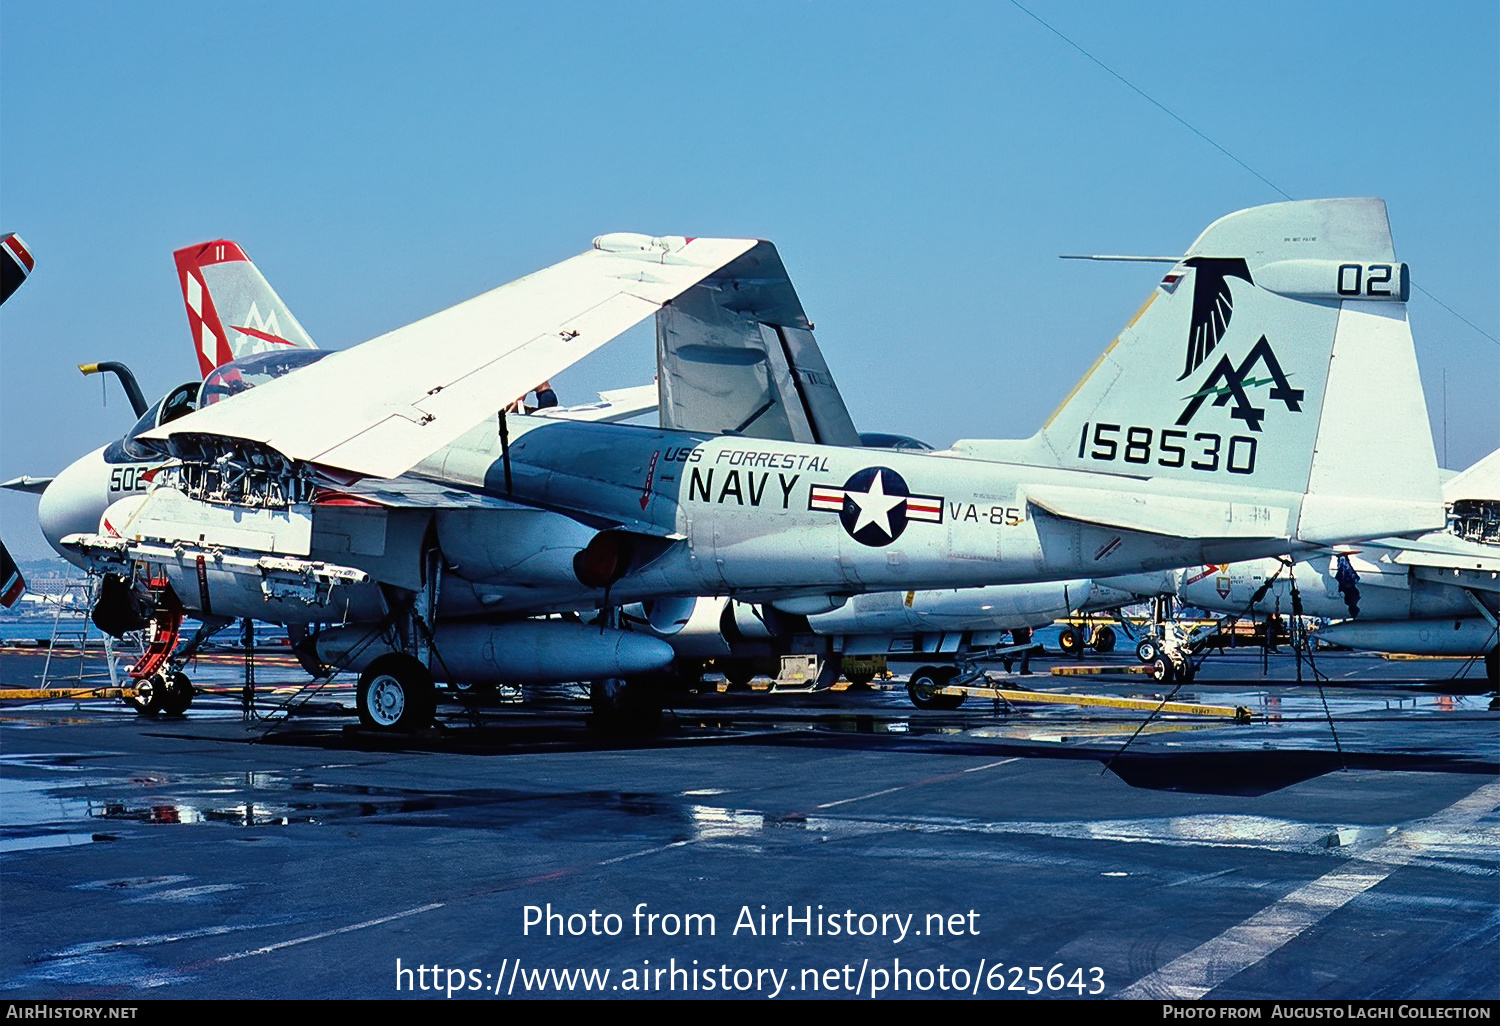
column 1167, row 447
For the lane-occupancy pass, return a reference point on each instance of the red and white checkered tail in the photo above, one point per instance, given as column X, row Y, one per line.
column 232, row 310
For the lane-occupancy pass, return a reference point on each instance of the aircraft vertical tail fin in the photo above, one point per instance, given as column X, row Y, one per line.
column 12, row 584
column 15, row 264
column 232, row 310
column 1274, row 355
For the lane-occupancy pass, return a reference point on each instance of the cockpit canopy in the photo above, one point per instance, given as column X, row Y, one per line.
column 179, row 402
column 243, row 374
column 222, row 382
column 880, row 440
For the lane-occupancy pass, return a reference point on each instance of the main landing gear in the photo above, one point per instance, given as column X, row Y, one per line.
column 396, row 693
column 1099, row 638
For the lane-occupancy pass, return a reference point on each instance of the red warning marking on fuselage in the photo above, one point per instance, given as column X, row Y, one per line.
column 650, row 477
column 1208, row 571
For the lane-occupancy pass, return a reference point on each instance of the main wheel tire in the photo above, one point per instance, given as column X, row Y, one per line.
column 179, row 694
column 859, row 679
column 1147, row 650
column 1103, row 640
column 1070, row 641
column 396, row 693
column 1492, row 666
column 1162, row 670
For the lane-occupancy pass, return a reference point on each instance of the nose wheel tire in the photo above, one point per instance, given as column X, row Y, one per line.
column 179, row 694
column 924, row 685
column 150, row 696
column 738, row 675
column 163, row 694
column 396, row 693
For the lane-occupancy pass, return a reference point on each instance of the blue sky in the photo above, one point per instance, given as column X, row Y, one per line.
column 920, row 168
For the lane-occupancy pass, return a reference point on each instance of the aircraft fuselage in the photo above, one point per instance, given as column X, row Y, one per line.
column 760, row 518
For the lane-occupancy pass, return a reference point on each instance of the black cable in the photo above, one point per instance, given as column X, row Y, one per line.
column 1230, row 619
column 1144, row 723
column 1151, row 100
column 1177, row 118
column 1297, row 646
column 1260, row 593
column 285, row 708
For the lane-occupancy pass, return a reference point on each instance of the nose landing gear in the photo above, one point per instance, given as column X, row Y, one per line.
column 168, row 692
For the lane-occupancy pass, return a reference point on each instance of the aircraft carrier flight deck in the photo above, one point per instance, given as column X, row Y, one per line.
column 765, row 843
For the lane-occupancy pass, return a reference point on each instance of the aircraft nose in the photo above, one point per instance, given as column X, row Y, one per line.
column 74, row 502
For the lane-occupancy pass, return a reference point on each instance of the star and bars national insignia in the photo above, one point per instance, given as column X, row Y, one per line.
column 875, row 505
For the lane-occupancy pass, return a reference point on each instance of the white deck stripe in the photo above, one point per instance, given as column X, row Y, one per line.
column 329, row 933
column 919, row 783
column 1194, row 974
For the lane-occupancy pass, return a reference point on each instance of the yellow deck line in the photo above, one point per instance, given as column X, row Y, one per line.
column 1237, row 713
column 37, row 694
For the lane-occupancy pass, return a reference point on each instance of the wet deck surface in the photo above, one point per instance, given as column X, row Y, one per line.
column 301, row 857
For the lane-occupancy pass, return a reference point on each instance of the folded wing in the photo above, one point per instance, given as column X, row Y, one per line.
column 736, row 354
column 379, row 409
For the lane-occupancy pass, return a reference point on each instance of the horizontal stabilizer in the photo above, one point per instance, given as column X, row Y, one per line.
column 1169, row 515
column 613, row 406
column 380, row 408
column 1481, row 482
column 1458, row 555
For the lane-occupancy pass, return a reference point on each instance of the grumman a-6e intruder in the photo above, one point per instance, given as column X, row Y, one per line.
column 379, row 490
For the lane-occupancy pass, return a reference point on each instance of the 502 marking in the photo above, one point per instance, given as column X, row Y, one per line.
column 129, row 479
column 1171, row 447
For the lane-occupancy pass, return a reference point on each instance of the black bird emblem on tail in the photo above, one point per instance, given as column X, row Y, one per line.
column 1213, row 305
